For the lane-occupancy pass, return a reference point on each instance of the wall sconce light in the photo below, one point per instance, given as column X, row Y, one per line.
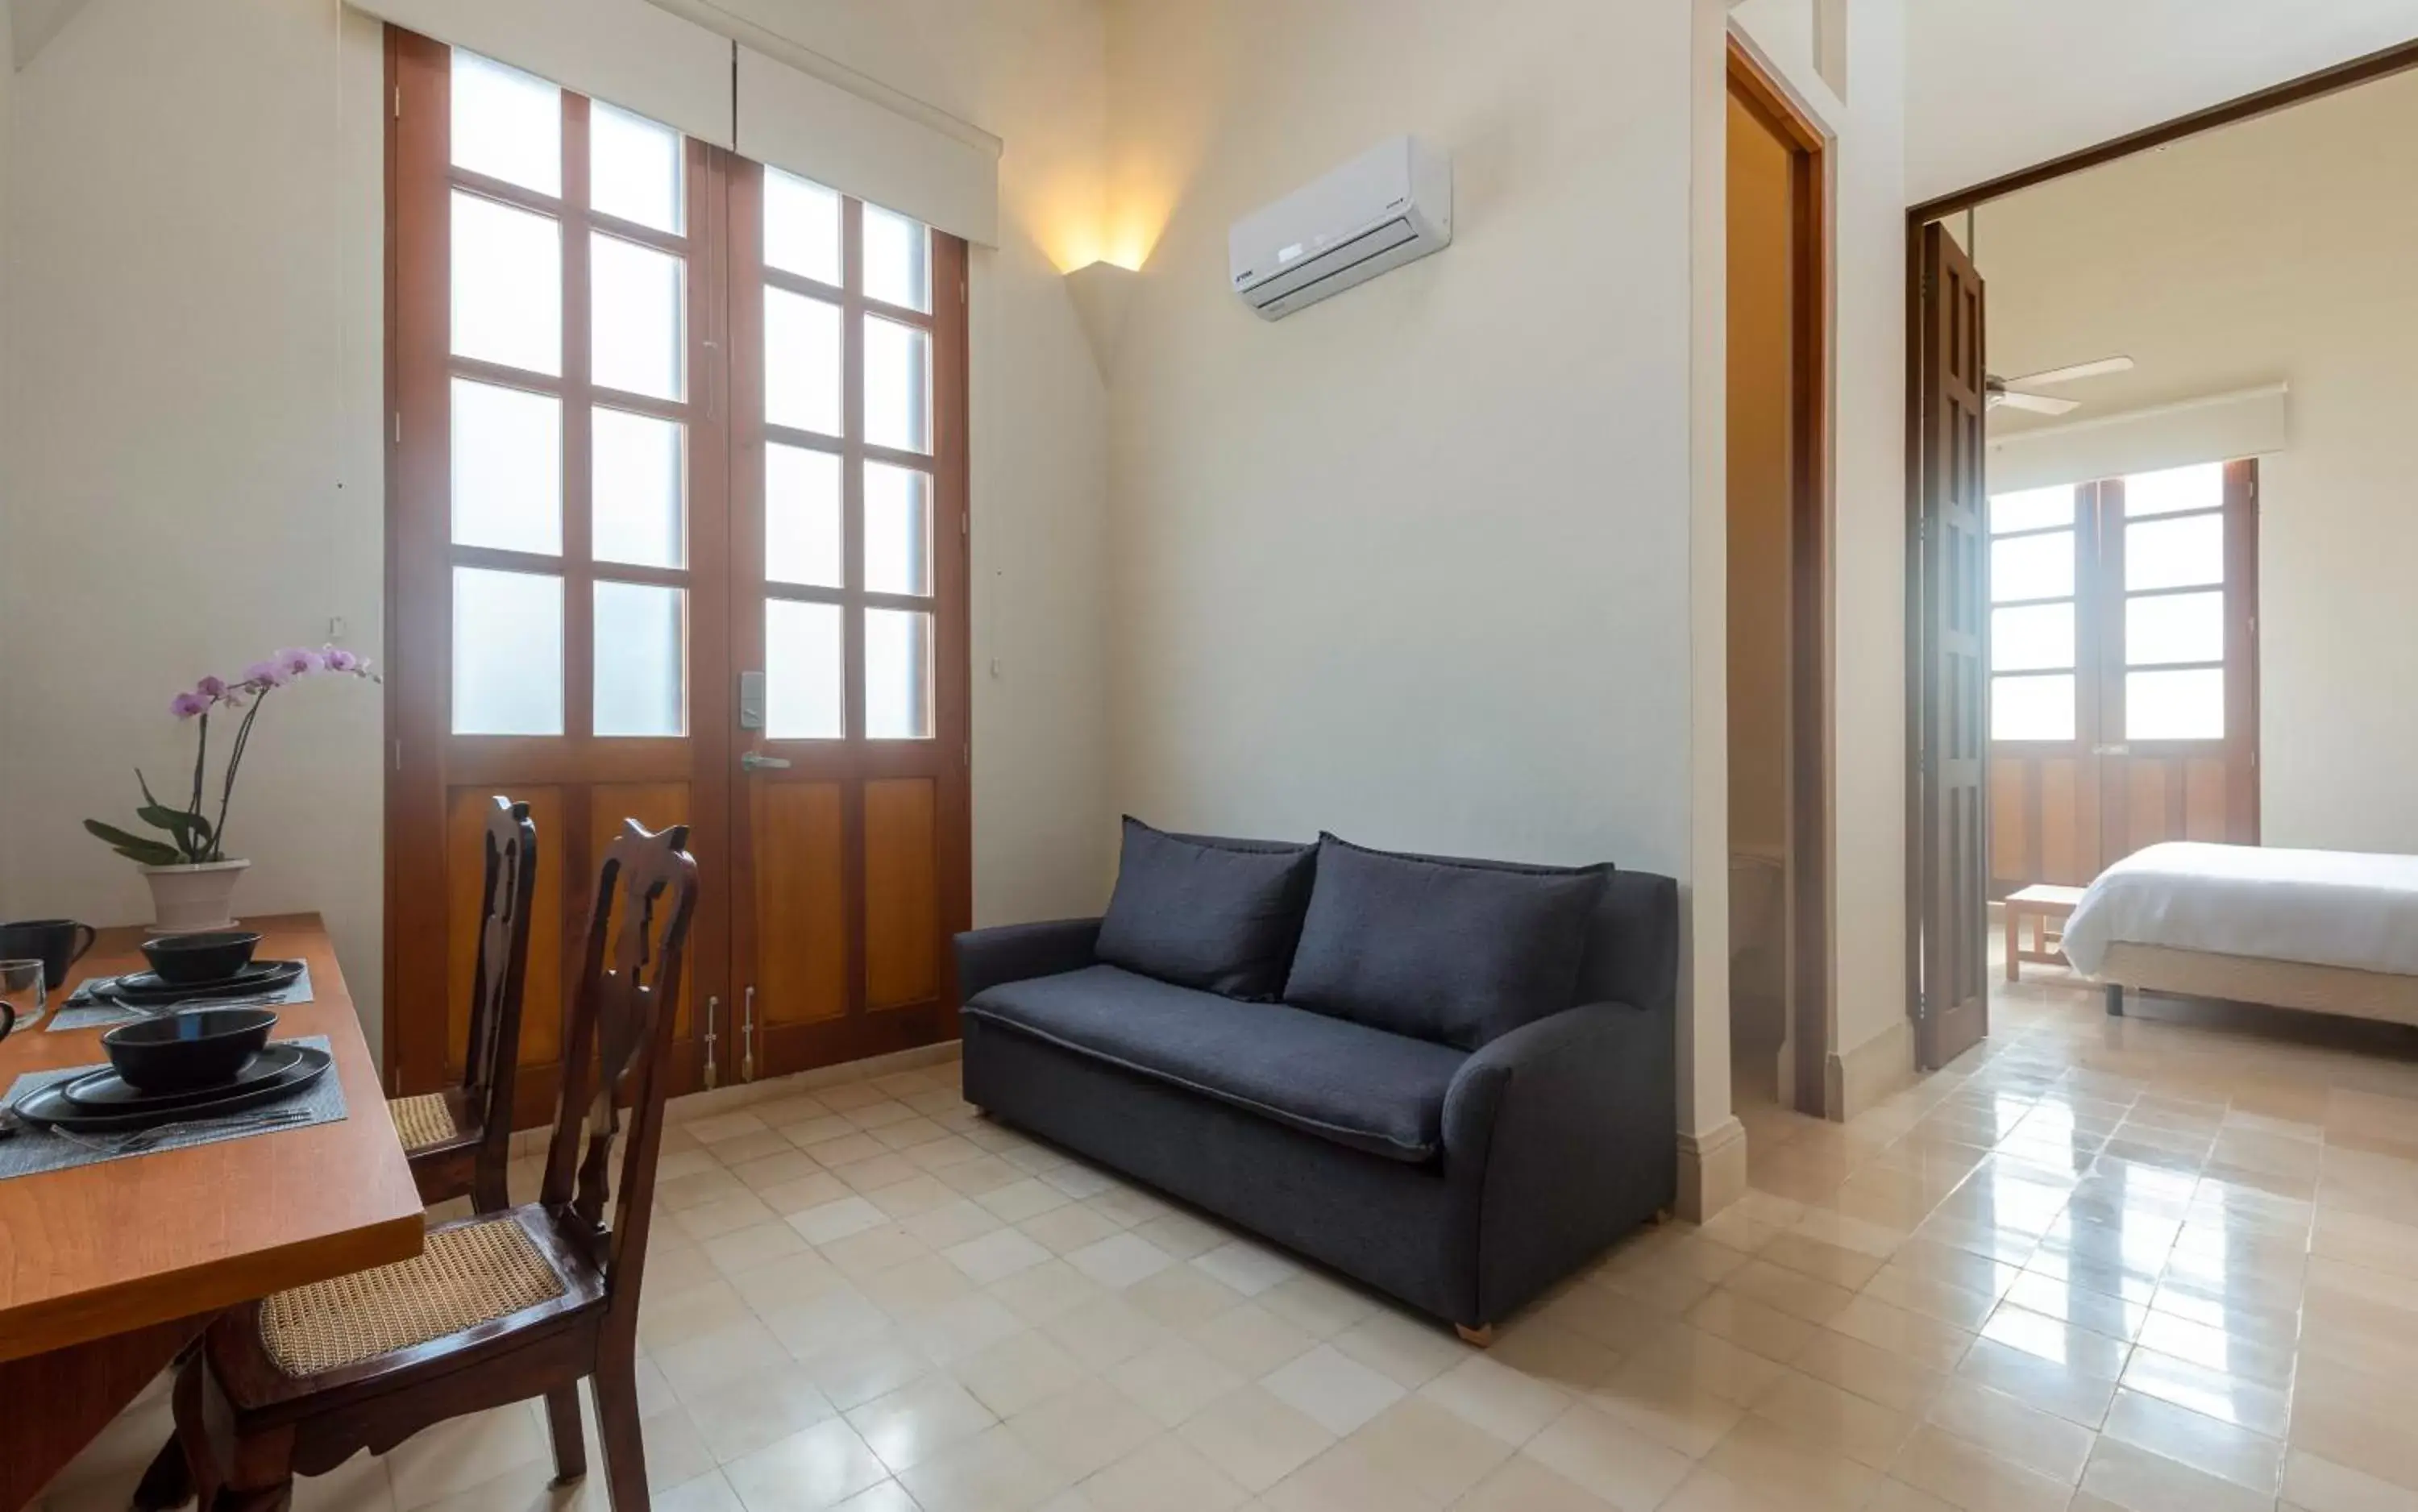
column 1102, row 293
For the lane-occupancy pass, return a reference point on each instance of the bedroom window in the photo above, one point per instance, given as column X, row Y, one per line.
column 2123, row 674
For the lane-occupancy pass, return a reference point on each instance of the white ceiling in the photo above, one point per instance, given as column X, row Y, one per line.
column 1994, row 85
column 34, row 22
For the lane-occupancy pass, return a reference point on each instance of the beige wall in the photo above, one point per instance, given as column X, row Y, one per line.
column 1991, row 87
column 1760, row 468
column 2272, row 252
column 194, row 470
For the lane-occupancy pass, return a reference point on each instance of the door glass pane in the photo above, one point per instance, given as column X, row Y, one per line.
column 2174, row 627
column 640, row 511
column 897, row 259
column 802, row 362
column 506, row 124
column 897, row 386
column 802, row 516
column 2174, row 490
column 2032, row 707
column 641, row 632
column 2175, row 552
column 2033, row 509
column 507, row 469
column 506, row 286
column 802, row 700
column 634, row 168
column 2175, row 706
column 897, row 674
column 507, row 653
column 2034, row 636
column 800, row 227
column 2032, row 567
column 635, row 316
column 897, row 529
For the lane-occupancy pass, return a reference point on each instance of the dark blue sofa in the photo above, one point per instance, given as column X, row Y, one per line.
column 1462, row 1181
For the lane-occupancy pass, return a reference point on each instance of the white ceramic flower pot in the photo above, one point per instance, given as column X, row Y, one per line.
column 187, row 898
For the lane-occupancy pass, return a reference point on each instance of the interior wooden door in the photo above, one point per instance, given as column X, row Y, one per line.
column 853, row 834
column 558, row 554
column 1953, row 1006
column 2177, row 685
column 2044, row 713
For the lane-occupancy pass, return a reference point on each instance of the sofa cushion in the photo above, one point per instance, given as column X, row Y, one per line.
column 1202, row 913
column 1342, row 1081
column 1449, row 952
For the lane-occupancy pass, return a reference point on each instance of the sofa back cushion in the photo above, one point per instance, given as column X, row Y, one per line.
column 1208, row 914
column 1448, row 952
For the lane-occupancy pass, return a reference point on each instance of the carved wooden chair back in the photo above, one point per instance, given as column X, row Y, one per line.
column 499, row 977
column 616, row 1054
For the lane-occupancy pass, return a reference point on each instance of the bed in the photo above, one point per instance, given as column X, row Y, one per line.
column 2325, row 931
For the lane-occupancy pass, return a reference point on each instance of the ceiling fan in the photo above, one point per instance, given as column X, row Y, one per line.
column 2015, row 393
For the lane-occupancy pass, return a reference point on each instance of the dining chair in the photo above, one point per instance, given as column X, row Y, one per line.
column 459, row 1141
column 499, row 1306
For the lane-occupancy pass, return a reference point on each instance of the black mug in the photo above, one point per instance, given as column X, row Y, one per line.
column 57, row 944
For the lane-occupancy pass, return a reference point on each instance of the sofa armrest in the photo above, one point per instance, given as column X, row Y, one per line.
column 1013, row 952
column 1561, row 1137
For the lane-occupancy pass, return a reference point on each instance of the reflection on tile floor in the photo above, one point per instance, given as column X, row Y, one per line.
column 2096, row 1265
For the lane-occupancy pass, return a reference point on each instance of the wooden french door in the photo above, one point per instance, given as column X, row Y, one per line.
column 2124, row 670
column 577, row 557
column 1947, row 613
column 848, row 482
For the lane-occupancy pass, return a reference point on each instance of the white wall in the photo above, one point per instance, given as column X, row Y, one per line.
column 194, row 472
column 1993, row 86
column 193, row 466
column 1410, row 565
column 2271, row 252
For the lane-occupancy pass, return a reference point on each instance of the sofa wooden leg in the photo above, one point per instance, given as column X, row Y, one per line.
column 1482, row 1336
column 2114, row 1001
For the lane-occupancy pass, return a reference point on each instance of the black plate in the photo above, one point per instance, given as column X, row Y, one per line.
column 106, row 1092
column 146, row 988
column 47, row 1108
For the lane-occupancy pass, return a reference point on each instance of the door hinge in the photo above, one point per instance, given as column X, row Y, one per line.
column 966, row 753
column 965, row 524
column 398, row 102
column 398, row 427
column 398, row 755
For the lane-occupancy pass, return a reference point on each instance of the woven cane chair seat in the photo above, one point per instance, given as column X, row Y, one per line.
column 470, row 1274
column 423, row 1120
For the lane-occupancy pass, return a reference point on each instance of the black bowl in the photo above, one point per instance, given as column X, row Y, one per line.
column 178, row 1052
column 198, row 960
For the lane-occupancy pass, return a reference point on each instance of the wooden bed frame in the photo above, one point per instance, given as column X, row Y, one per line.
column 2324, row 989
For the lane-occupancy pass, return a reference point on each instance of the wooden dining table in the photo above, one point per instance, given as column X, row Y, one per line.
column 109, row 1268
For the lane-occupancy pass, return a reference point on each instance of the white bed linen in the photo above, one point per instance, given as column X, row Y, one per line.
column 2324, row 907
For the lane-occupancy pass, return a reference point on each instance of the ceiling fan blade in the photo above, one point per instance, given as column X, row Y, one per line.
column 2037, row 404
column 2079, row 371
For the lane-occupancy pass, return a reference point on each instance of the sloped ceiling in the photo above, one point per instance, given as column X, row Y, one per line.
column 1994, row 85
column 34, row 22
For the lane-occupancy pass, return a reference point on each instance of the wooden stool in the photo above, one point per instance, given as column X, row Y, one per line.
column 2044, row 905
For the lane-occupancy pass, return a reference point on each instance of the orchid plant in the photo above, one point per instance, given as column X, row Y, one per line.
column 193, row 839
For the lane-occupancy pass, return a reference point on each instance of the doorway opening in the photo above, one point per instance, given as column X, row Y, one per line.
column 1778, row 598
column 2085, row 540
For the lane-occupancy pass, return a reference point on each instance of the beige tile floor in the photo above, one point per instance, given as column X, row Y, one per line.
column 2152, row 1265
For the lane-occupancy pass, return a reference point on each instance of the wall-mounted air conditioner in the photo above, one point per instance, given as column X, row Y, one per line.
column 1390, row 206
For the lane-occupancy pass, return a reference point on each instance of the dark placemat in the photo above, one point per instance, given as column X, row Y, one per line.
column 80, row 1012
column 30, row 1152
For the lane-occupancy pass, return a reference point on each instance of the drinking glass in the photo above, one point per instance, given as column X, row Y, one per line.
column 22, row 999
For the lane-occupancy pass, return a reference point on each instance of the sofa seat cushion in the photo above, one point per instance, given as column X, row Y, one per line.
column 1357, row 1086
